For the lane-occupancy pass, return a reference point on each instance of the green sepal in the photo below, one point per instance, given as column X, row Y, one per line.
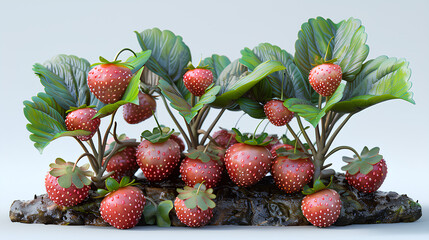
column 67, row 175
column 319, row 61
column 249, row 139
column 158, row 214
column 190, row 66
column 318, row 185
column 292, row 154
column 202, row 154
column 286, row 140
column 80, row 107
column 117, row 62
column 113, row 185
column 157, row 135
column 365, row 164
column 198, row 196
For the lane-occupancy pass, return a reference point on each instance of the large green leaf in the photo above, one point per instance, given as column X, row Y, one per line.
column 235, row 82
column 46, row 119
column 65, row 79
column 380, row 79
column 251, row 107
column 130, row 96
column 311, row 113
column 348, row 45
column 217, row 63
column 138, row 62
column 170, row 55
column 294, row 85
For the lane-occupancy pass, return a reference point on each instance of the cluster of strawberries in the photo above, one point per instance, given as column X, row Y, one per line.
column 247, row 159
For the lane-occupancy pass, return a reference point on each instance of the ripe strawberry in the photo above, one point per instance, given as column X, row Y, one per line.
column 195, row 171
column 65, row 197
column 224, row 138
column 66, row 184
column 291, row 175
column 81, row 119
column 123, row 206
column 322, row 208
column 197, row 80
column 124, row 163
column 179, row 141
column 280, row 146
column 247, row 164
column 158, row 160
column 367, row 174
column 277, row 113
column 134, row 114
column 194, row 206
column 325, row 78
column 109, row 81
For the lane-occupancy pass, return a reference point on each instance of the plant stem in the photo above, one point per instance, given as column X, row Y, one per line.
column 193, row 136
column 89, row 155
column 203, row 118
column 94, row 151
column 296, row 138
column 125, row 49
column 201, row 131
column 199, row 116
column 343, row 148
column 93, row 163
column 188, row 142
column 307, row 139
column 205, row 136
column 334, row 135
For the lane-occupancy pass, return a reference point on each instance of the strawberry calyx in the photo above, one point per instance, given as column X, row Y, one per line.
column 80, row 107
column 68, row 173
column 115, row 62
column 190, row 66
column 113, row 185
column 197, row 196
column 286, row 140
column 158, row 134
column 250, row 139
column 364, row 165
column 318, row 185
column 319, row 61
column 202, row 154
column 292, row 154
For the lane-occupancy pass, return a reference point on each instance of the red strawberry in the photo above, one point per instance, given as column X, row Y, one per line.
column 277, row 113
column 158, row 160
column 322, row 208
column 124, row 163
column 196, row 171
column 81, row 119
column 292, row 175
column 224, row 138
column 65, row 197
column 134, row 114
column 179, row 141
column 325, row 78
column 247, row 164
column 368, row 173
column 280, row 146
column 123, row 206
column 194, row 206
column 198, row 80
column 108, row 82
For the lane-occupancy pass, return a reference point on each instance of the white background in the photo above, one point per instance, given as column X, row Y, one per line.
column 35, row 31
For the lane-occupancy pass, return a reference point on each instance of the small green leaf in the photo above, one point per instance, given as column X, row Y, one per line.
column 199, row 154
column 163, row 213
column 364, row 165
column 157, row 136
column 252, row 108
column 65, row 181
column 191, row 202
column 112, row 184
column 124, row 181
column 149, row 213
column 102, row 192
column 137, row 63
column 208, row 97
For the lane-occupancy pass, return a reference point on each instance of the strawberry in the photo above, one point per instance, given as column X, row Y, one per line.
column 194, row 206
column 322, row 208
column 158, row 155
column 179, row 141
column 366, row 174
column 124, row 162
column 224, row 138
column 277, row 113
column 66, row 184
column 247, row 161
column 123, row 204
column 81, row 119
column 134, row 114
column 197, row 80
column 292, row 172
column 325, row 78
column 109, row 80
column 199, row 167
column 278, row 146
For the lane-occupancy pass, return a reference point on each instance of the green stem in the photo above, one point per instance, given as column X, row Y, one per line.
column 125, row 49
column 334, row 135
column 296, row 138
column 205, row 136
column 93, row 163
column 327, row 49
column 343, row 148
column 94, row 150
column 89, row 155
column 203, row 118
column 254, row 133
column 304, row 133
column 193, row 136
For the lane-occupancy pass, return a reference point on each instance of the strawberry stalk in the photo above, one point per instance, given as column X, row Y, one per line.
column 125, row 49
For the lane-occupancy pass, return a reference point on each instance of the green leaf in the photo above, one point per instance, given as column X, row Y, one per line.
column 112, row 184
column 364, row 165
column 208, row 97
column 176, row 99
column 149, row 213
column 217, row 63
column 163, row 213
column 130, row 96
column 67, row 173
column 64, row 78
column 138, row 62
column 233, row 86
column 381, row 79
column 157, row 136
column 294, row 84
column 348, row 45
column 311, row 113
column 252, row 108
column 169, row 56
